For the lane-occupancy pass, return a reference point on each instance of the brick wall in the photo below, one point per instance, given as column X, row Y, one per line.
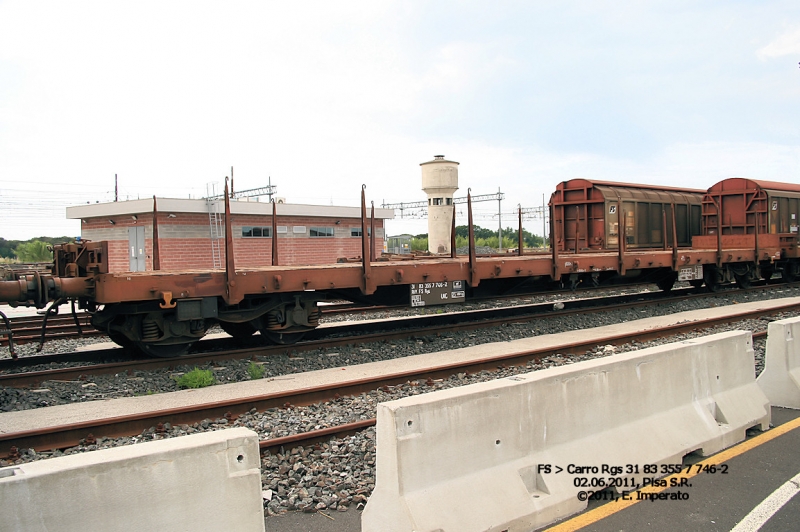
column 185, row 243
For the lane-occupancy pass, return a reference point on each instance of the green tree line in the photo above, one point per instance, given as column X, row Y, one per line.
column 484, row 238
column 33, row 250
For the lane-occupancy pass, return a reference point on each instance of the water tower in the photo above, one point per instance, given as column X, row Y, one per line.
column 440, row 182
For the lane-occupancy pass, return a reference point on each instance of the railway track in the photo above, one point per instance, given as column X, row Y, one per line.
column 310, row 437
column 32, row 370
column 27, row 329
column 71, row 435
column 60, row 327
column 116, row 360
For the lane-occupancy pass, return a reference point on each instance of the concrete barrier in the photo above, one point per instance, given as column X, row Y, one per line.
column 209, row 481
column 780, row 379
column 486, row 456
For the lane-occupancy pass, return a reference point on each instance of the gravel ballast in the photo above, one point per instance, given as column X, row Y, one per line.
column 340, row 473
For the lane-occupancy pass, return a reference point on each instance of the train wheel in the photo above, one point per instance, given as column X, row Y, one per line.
column 164, row 350
column 743, row 281
column 697, row 283
column 120, row 339
column 711, row 278
column 284, row 338
column 666, row 283
column 789, row 272
column 238, row 330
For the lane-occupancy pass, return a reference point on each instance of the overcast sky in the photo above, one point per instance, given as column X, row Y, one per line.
column 326, row 96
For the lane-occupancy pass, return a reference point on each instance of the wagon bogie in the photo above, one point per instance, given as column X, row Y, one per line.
column 154, row 331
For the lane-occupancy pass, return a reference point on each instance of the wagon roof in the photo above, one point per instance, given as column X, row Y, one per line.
column 743, row 183
column 616, row 184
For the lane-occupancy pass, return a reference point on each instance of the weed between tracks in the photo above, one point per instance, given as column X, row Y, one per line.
column 197, row 378
column 255, row 371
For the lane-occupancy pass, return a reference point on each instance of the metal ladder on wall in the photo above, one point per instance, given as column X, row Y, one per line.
column 215, row 223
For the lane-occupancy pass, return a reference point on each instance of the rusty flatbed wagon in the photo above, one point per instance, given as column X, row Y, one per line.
column 601, row 233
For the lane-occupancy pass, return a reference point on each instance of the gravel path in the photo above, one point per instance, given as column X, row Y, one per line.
column 336, row 475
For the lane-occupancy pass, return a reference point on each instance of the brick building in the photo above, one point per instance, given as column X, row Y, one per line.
column 191, row 232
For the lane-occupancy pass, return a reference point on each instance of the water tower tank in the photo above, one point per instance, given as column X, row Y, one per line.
column 440, row 182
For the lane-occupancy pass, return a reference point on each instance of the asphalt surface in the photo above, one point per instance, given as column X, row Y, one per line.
column 349, row 521
column 716, row 501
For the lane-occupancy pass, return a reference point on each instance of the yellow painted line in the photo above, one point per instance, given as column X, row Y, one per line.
column 601, row 512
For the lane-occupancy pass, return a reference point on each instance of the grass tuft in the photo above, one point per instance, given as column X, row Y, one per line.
column 197, row 378
column 256, row 371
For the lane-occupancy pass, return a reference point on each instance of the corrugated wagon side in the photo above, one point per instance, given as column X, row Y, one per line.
column 747, row 214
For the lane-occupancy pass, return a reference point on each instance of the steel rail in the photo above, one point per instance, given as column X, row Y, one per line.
column 27, row 329
column 306, row 438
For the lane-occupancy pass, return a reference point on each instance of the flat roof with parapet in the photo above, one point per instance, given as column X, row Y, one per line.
column 175, row 205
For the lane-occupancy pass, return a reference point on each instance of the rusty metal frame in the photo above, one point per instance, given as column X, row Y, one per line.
column 719, row 231
column 674, row 240
column 623, row 241
column 274, row 233
column 233, row 293
column 156, row 243
column 556, row 271
column 453, row 251
column 474, row 278
column 372, row 232
column 755, row 235
column 367, row 283
column 154, row 286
